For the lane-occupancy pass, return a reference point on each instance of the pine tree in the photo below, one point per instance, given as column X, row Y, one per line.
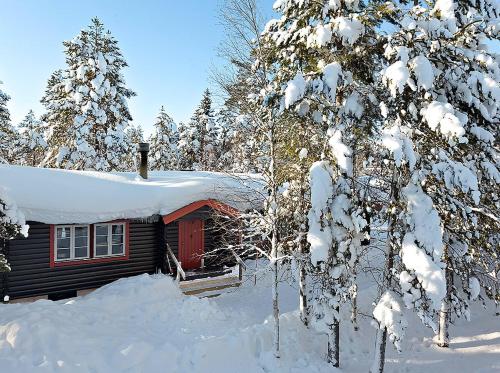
column 440, row 111
column 185, row 146
column 240, row 148
column 31, row 145
column 8, row 134
column 92, row 110
column 198, row 138
column 326, row 91
column 226, row 123
column 135, row 134
column 12, row 224
column 57, row 117
column 163, row 143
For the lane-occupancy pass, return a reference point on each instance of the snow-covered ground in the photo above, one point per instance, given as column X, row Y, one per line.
column 144, row 324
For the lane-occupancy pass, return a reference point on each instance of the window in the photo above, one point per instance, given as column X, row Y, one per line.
column 109, row 239
column 71, row 242
column 86, row 244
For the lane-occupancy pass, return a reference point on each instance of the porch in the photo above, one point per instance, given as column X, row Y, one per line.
column 205, row 281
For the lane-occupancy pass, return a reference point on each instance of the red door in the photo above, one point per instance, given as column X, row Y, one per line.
column 191, row 245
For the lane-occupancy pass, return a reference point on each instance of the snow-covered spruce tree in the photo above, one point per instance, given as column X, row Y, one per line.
column 226, row 122
column 31, row 144
column 239, row 144
column 240, row 77
column 163, row 143
column 57, row 116
column 12, row 224
column 135, row 134
column 198, row 137
column 8, row 134
column 443, row 88
column 321, row 81
column 92, row 112
column 186, row 146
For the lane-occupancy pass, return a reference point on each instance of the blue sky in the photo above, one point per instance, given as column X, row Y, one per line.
column 169, row 45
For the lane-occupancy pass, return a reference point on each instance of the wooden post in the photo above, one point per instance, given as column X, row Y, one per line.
column 178, row 277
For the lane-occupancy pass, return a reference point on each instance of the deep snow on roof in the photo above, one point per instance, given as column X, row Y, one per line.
column 55, row 196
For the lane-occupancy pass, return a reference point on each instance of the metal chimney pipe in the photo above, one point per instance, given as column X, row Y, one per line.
column 143, row 148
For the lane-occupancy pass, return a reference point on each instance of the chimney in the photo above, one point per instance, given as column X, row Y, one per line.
column 143, row 148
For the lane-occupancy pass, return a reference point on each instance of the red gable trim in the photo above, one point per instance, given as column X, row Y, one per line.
column 216, row 205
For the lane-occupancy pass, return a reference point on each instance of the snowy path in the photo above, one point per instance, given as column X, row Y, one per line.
column 145, row 324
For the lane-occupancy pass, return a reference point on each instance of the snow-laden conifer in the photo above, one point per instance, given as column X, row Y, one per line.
column 57, row 115
column 89, row 104
column 198, row 137
column 135, row 134
column 163, row 143
column 31, row 144
column 440, row 117
column 12, row 224
column 8, row 134
column 324, row 58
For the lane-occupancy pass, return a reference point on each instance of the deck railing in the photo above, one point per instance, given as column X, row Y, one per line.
column 241, row 264
column 180, row 271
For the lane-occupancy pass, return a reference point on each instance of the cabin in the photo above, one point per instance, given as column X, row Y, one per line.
column 87, row 229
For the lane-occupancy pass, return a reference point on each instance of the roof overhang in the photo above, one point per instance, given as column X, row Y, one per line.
column 214, row 204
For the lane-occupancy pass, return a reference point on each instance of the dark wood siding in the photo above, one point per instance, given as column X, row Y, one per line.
column 31, row 274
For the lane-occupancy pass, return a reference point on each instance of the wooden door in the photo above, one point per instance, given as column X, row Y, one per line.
column 191, row 245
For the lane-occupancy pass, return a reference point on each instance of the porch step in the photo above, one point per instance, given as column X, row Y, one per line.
column 209, row 286
column 204, row 274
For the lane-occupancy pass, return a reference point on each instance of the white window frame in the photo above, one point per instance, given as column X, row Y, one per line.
column 110, row 240
column 71, row 242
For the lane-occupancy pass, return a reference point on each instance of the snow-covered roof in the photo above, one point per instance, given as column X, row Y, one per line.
column 55, row 196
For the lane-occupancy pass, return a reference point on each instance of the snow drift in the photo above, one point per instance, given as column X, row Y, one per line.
column 55, row 196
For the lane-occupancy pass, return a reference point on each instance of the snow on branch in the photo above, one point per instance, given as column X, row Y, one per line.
column 421, row 250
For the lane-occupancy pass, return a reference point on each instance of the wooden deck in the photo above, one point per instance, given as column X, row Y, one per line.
column 209, row 283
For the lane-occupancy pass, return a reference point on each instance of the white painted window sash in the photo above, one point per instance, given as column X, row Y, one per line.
column 71, row 242
column 110, row 240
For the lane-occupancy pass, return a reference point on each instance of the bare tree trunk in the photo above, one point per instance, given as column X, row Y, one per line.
column 381, row 341
column 304, row 311
column 256, row 266
column 379, row 360
column 497, row 291
column 274, row 238
column 443, row 334
column 276, row 312
column 354, row 310
column 334, row 343
column 444, row 313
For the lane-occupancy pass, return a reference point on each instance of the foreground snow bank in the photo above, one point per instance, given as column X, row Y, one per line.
column 144, row 324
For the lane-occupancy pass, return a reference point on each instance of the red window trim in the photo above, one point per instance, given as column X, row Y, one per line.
column 216, row 205
column 91, row 260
